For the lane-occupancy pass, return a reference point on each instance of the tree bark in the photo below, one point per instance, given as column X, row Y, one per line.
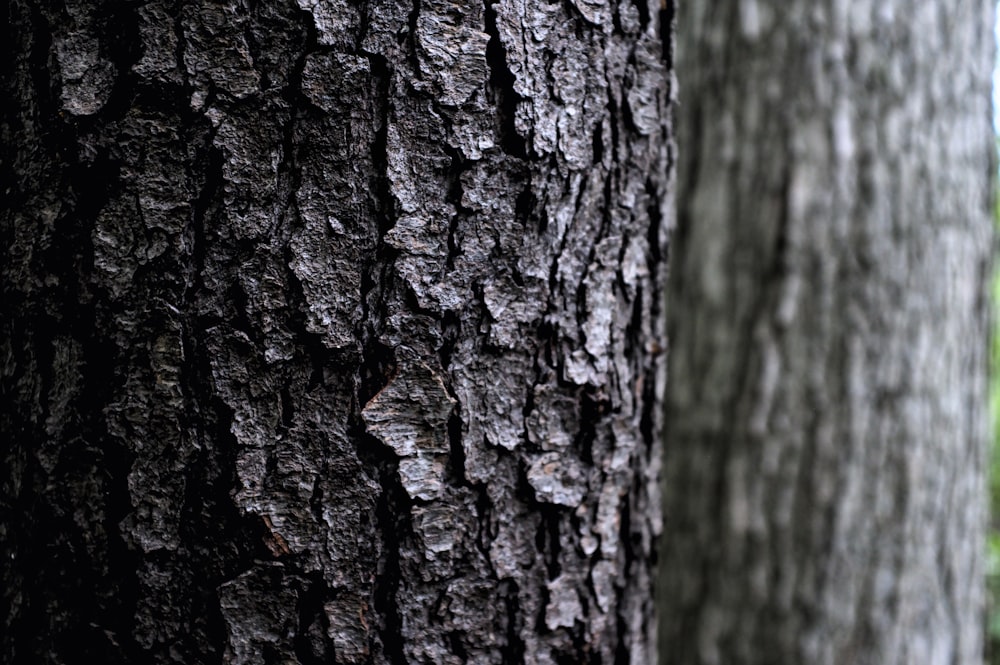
column 332, row 330
column 827, row 421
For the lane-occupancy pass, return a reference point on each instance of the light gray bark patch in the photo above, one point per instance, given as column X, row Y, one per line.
column 643, row 96
column 554, row 421
column 451, row 49
column 557, row 478
column 564, row 607
column 603, row 576
column 512, row 309
column 493, row 399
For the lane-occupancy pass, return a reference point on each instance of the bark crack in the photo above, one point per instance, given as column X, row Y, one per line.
column 502, row 81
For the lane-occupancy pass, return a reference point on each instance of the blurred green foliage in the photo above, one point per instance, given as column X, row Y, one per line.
column 993, row 534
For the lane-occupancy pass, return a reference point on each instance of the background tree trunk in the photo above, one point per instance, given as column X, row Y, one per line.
column 826, row 424
column 331, row 330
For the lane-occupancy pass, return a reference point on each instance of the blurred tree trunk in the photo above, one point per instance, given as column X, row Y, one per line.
column 827, row 423
column 330, row 330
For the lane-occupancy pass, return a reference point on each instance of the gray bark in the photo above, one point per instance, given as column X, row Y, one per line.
column 332, row 330
column 826, row 418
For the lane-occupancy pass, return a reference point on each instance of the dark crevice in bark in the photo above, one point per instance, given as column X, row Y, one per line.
column 622, row 656
column 778, row 270
column 628, row 120
column 456, row 647
column 209, row 161
column 223, row 542
column 411, row 51
column 239, row 319
column 526, row 206
column 287, row 409
column 547, row 538
column 647, row 419
column 57, row 133
column 312, row 643
column 642, row 7
column 487, row 525
column 181, row 44
column 377, row 277
column 381, row 190
column 615, row 137
column 513, row 653
column 630, row 545
column 454, row 197
column 505, row 98
column 654, row 229
column 597, row 143
column 378, row 366
column 117, row 29
column 451, row 330
column 456, row 457
column 593, row 409
column 579, row 21
column 392, row 516
column 667, row 15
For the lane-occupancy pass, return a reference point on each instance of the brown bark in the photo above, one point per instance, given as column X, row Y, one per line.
column 826, row 418
column 331, row 331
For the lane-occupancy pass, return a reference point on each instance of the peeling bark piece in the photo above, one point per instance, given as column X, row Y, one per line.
column 410, row 415
column 422, row 475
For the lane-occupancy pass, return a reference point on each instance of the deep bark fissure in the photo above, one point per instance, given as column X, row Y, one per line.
column 502, row 87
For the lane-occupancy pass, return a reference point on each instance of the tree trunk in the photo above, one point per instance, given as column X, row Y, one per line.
column 826, row 419
column 332, row 330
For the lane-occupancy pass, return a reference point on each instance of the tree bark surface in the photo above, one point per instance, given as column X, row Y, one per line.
column 332, row 330
column 827, row 423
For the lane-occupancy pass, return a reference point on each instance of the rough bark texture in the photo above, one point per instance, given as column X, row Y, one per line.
column 331, row 330
column 826, row 423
